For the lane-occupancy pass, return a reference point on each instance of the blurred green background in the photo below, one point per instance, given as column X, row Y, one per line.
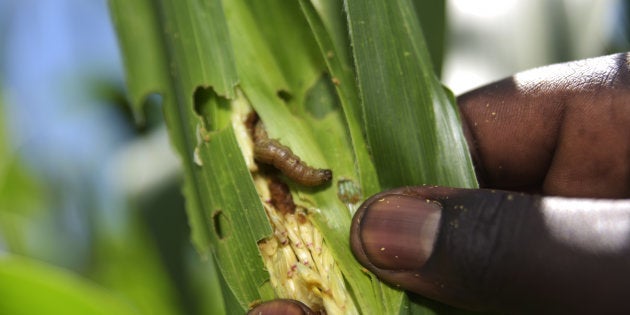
column 91, row 215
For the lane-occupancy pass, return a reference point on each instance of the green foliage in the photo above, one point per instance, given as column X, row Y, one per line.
column 327, row 82
column 20, row 194
column 131, row 277
column 411, row 123
column 29, row 287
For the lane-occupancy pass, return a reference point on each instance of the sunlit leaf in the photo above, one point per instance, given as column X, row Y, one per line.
column 412, row 126
column 293, row 63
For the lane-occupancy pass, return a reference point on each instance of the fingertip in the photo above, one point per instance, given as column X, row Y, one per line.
column 396, row 232
column 393, row 235
column 281, row 307
column 390, row 222
column 432, row 241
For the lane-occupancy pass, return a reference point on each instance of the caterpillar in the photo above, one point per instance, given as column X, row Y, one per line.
column 270, row 151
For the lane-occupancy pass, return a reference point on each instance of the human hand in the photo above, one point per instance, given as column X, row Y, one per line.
column 562, row 131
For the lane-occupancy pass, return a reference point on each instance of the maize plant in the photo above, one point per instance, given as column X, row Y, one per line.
column 286, row 115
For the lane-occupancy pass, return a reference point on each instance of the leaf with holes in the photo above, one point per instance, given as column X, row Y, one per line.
column 222, row 67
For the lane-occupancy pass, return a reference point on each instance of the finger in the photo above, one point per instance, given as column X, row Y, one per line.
column 281, row 307
column 560, row 130
column 497, row 250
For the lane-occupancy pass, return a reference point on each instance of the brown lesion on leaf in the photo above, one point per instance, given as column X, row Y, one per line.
column 250, row 123
column 280, row 195
column 300, row 265
column 348, row 191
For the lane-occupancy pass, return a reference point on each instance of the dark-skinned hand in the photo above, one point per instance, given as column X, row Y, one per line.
column 555, row 238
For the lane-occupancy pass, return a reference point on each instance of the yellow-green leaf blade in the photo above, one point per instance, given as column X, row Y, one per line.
column 326, row 22
column 31, row 287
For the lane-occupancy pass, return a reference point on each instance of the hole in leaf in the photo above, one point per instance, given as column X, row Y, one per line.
column 221, row 224
column 284, row 95
column 212, row 109
column 322, row 97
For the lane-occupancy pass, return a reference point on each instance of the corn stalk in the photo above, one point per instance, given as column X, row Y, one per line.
column 328, row 80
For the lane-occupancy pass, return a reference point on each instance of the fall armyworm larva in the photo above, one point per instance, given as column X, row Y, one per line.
column 270, row 151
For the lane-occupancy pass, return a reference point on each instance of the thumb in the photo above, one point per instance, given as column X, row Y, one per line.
column 497, row 250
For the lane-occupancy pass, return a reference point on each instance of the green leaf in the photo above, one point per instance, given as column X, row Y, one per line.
column 140, row 39
column 30, row 287
column 21, row 193
column 233, row 208
column 412, row 126
column 163, row 39
column 292, row 63
column 327, row 23
column 182, row 46
column 263, row 73
column 126, row 260
column 432, row 16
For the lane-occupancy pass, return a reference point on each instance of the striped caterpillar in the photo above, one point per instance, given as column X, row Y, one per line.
column 270, row 151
